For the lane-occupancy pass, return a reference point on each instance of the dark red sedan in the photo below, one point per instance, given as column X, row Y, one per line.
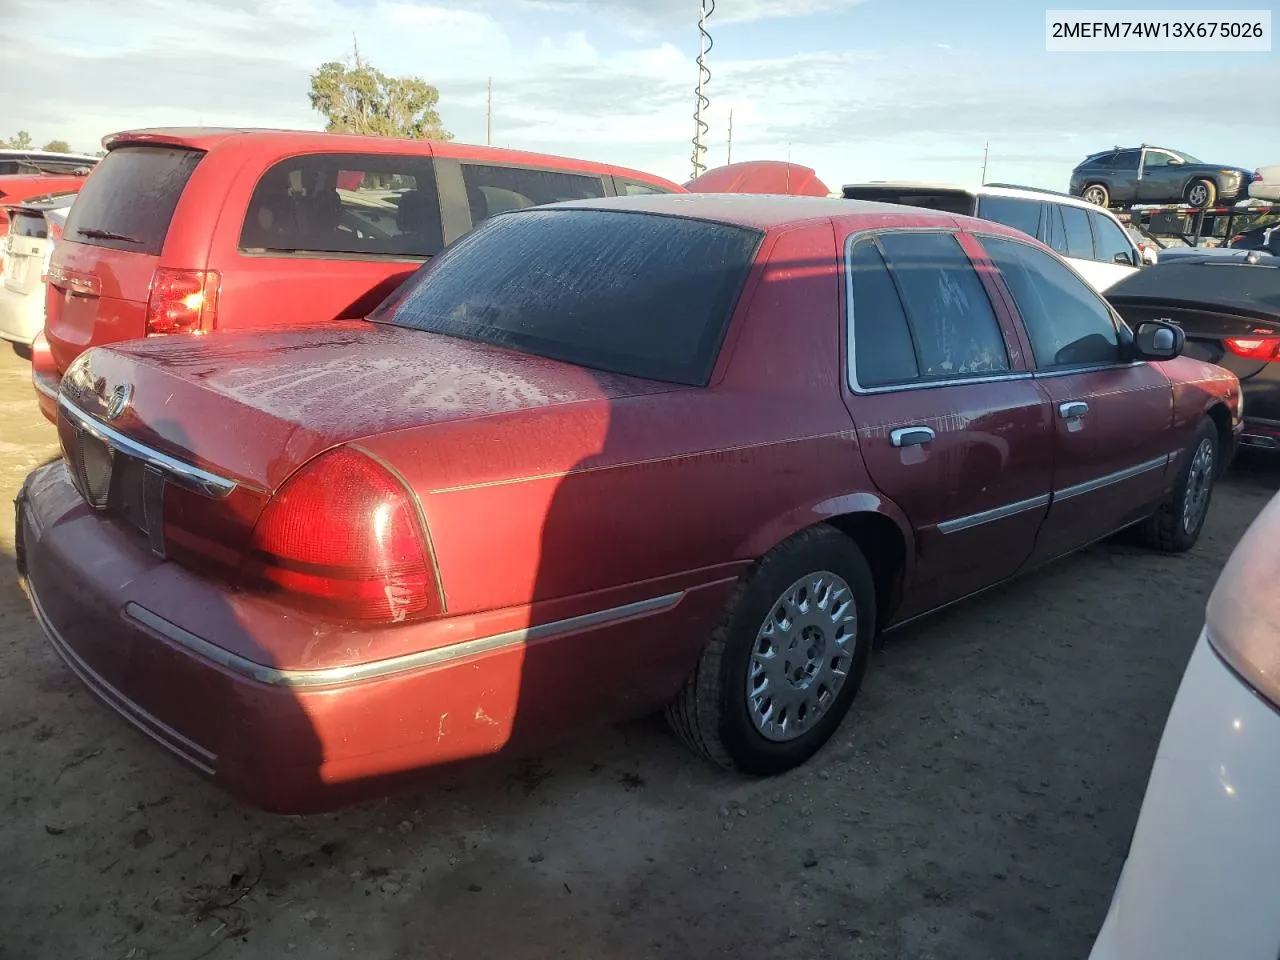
column 598, row 458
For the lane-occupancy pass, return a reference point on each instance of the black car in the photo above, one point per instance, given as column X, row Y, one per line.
column 1265, row 238
column 1229, row 308
column 1147, row 174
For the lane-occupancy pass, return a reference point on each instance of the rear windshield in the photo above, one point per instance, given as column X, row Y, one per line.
column 345, row 206
column 631, row 293
column 129, row 199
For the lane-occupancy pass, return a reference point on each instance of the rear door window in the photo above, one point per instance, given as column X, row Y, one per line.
column 1067, row 322
column 495, row 189
column 954, row 326
column 346, row 205
column 883, row 351
column 1079, row 238
column 1110, row 242
column 1020, row 214
column 633, row 188
column 128, row 202
column 629, row 293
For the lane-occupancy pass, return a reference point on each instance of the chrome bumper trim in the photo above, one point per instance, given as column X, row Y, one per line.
column 378, row 669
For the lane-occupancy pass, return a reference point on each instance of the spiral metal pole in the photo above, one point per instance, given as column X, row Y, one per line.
column 700, row 126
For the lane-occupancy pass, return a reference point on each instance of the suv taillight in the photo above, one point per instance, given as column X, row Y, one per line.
column 1254, row 348
column 182, row 301
column 344, row 538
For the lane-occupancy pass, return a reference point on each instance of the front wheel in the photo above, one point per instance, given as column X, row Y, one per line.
column 1201, row 193
column 1176, row 526
column 781, row 671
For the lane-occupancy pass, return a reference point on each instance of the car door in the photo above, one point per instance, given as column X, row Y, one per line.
column 1112, row 417
column 1125, row 176
column 951, row 424
column 1161, row 180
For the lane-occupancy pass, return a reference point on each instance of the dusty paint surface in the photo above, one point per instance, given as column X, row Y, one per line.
column 977, row 802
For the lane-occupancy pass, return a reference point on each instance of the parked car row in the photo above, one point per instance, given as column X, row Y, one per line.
column 34, row 228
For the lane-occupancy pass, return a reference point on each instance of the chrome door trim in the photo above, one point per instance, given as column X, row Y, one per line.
column 1098, row 483
column 996, row 513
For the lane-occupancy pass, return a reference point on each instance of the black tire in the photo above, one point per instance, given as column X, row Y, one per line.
column 1168, row 529
column 1097, row 194
column 1201, row 193
column 711, row 714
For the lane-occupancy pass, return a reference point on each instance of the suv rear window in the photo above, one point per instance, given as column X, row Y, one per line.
column 346, row 205
column 492, row 190
column 128, row 201
column 636, row 294
column 24, row 223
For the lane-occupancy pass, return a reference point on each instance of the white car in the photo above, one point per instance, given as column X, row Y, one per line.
column 34, row 227
column 1090, row 238
column 1202, row 878
column 1266, row 184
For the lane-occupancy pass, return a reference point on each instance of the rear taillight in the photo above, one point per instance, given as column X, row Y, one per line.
column 1255, row 348
column 182, row 301
column 344, row 537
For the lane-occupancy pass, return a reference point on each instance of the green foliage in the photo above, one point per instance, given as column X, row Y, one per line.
column 20, row 142
column 357, row 98
column 57, row 146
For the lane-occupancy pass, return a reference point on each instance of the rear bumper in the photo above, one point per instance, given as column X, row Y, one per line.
column 184, row 660
column 1204, row 866
column 45, row 385
column 21, row 316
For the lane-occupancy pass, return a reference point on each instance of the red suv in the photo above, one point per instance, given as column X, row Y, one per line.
column 196, row 230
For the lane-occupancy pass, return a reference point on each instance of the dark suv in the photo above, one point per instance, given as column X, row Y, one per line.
column 1157, row 175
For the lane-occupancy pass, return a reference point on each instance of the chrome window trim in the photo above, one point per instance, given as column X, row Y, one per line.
column 377, row 669
column 920, row 383
column 178, row 471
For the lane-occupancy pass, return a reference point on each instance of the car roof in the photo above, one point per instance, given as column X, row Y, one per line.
column 984, row 190
column 206, row 138
column 768, row 211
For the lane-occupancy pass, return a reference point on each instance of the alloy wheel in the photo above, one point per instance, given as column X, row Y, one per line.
column 1199, row 483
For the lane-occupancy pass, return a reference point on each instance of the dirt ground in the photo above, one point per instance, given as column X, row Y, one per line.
column 976, row 804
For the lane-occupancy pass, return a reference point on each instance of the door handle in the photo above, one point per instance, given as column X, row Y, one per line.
column 1073, row 410
column 911, row 436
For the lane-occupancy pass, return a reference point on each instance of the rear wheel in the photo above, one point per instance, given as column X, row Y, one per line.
column 1201, row 193
column 1176, row 526
column 1096, row 194
column 782, row 669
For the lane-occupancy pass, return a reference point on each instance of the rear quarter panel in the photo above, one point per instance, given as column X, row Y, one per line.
column 630, row 498
column 1198, row 387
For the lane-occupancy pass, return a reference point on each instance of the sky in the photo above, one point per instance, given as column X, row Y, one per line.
column 856, row 89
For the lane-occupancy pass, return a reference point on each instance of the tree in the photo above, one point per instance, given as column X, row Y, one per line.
column 57, row 146
column 21, row 142
column 357, row 98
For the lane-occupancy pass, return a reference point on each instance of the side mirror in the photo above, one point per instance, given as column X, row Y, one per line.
column 1158, row 340
column 1124, row 258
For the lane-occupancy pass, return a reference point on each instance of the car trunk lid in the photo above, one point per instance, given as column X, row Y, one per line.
column 100, row 276
column 254, row 406
column 1229, row 308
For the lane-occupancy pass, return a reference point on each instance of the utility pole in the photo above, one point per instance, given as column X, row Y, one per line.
column 730, row 158
column 488, row 137
column 986, row 151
